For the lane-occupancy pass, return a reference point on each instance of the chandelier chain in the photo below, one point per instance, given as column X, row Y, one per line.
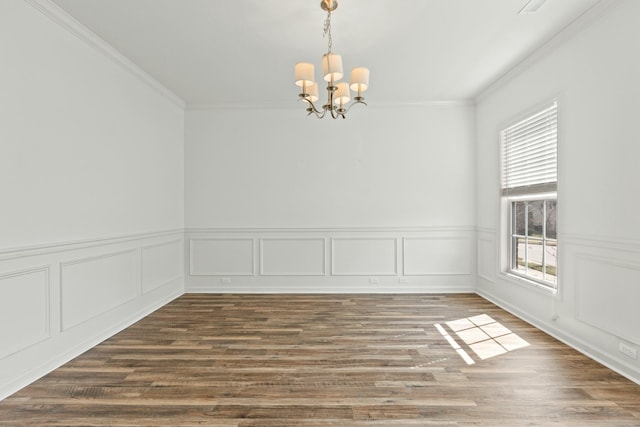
column 327, row 30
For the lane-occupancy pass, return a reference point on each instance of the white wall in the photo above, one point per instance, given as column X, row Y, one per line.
column 91, row 185
column 383, row 173
column 380, row 167
column 595, row 76
column 87, row 150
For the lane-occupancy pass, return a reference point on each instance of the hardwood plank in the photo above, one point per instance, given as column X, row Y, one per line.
column 328, row 360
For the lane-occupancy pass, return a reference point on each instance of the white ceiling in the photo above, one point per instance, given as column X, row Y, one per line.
column 242, row 52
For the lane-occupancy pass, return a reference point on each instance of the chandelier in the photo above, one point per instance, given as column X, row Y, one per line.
column 338, row 93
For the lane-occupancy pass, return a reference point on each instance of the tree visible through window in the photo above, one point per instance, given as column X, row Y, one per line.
column 529, row 188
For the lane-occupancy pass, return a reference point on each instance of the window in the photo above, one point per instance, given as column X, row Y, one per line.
column 529, row 192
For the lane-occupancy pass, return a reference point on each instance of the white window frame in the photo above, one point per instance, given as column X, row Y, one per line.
column 546, row 242
column 544, row 188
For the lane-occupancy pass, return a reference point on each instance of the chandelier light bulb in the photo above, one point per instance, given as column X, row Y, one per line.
column 342, row 95
column 359, row 79
column 304, row 74
column 313, row 92
column 332, row 67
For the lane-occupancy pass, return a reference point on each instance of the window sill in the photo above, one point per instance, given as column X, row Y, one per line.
column 527, row 283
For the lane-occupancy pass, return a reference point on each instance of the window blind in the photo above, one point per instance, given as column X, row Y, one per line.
column 530, row 154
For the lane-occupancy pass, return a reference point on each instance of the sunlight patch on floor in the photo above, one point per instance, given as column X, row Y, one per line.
column 482, row 334
column 452, row 342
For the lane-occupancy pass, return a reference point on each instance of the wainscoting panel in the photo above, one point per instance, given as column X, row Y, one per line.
column 595, row 307
column 436, row 256
column 57, row 300
column 161, row 264
column 222, row 257
column 364, row 257
column 343, row 260
column 292, row 257
column 24, row 309
column 608, row 293
column 486, row 249
column 93, row 286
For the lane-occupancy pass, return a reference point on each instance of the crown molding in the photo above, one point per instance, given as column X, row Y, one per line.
column 289, row 106
column 69, row 23
column 429, row 103
column 322, row 230
column 580, row 23
column 231, row 107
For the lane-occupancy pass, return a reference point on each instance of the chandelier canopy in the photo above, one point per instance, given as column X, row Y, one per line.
column 338, row 93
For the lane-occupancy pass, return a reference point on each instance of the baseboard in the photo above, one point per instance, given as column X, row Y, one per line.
column 57, row 359
column 335, row 287
column 59, row 300
column 572, row 341
column 374, row 284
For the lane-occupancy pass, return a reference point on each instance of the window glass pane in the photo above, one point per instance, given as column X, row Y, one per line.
column 535, row 258
column 552, row 230
column 518, row 218
column 535, row 218
column 519, row 255
column 533, row 254
column 551, row 258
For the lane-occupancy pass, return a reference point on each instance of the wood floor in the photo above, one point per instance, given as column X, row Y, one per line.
column 328, row 360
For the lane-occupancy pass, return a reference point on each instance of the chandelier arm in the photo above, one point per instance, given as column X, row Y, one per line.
column 318, row 115
column 312, row 108
column 330, row 90
column 335, row 113
column 354, row 103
